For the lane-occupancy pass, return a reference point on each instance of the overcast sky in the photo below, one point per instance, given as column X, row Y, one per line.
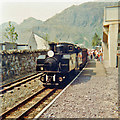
column 18, row 10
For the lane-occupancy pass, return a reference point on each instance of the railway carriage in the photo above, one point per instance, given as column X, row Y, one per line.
column 61, row 59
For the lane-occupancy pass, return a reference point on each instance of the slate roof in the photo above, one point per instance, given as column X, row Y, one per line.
column 41, row 43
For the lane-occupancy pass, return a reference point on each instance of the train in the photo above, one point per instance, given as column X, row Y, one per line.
column 60, row 60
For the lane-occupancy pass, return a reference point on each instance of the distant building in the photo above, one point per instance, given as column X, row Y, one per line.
column 8, row 46
column 36, row 42
column 111, row 34
column 12, row 46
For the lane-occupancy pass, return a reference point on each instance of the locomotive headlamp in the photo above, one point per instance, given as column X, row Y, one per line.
column 50, row 53
column 41, row 68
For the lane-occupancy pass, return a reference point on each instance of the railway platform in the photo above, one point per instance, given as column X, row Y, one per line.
column 93, row 94
column 94, row 68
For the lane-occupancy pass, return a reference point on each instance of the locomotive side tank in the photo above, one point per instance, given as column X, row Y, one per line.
column 61, row 59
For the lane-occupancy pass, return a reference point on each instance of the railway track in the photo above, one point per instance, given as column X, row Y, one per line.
column 18, row 82
column 23, row 109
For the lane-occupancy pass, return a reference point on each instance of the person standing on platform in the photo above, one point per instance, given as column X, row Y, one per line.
column 97, row 55
column 94, row 54
column 91, row 56
column 101, row 56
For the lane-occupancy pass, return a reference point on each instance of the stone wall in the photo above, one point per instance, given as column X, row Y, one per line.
column 15, row 63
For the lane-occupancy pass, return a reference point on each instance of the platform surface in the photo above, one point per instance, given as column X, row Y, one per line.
column 94, row 68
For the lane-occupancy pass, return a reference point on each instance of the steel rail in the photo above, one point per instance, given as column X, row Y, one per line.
column 3, row 115
column 19, row 82
column 36, row 104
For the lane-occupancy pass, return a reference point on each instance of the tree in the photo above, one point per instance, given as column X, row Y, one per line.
column 10, row 33
column 96, row 40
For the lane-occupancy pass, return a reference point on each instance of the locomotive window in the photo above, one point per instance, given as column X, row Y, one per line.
column 70, row 48
column 59, row 48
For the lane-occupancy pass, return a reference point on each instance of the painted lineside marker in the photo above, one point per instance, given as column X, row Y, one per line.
column 44, row 109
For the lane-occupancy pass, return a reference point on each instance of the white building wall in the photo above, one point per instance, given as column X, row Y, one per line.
column 105, row 53
column 112, row 44
column 32, row 43
column 22, row 47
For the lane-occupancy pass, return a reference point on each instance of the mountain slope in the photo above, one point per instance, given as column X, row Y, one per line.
column 29, row 23
column 76, row 24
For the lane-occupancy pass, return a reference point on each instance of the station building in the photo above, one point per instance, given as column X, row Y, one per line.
column 111, row 34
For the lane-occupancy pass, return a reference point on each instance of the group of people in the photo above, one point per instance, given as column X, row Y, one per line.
column 96, row 54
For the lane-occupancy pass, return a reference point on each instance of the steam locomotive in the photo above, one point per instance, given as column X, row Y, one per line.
column 61, row 59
